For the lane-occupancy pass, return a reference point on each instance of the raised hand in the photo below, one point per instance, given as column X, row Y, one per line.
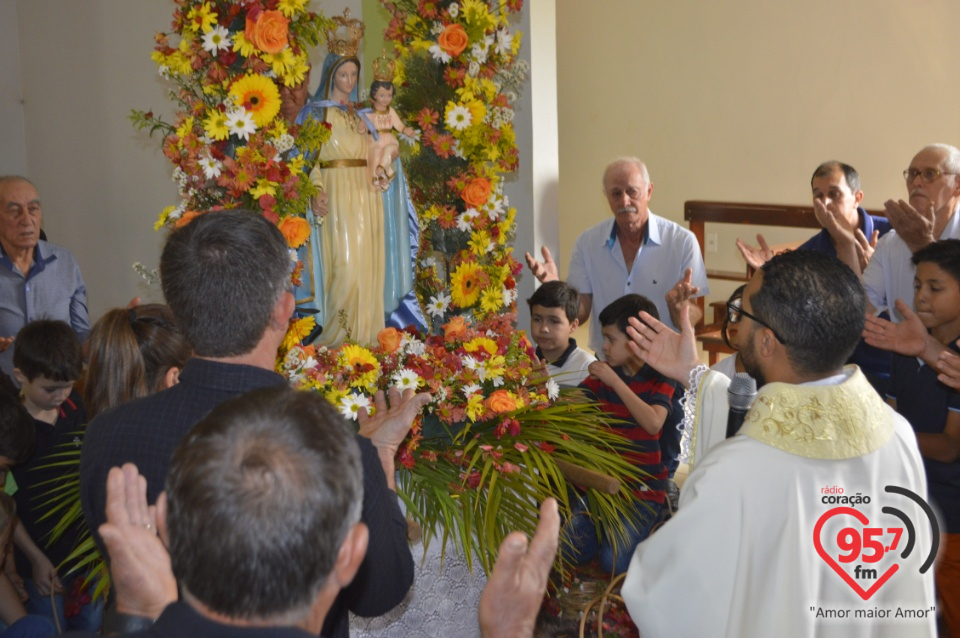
column 915, row 227
column 908, row 337
column 140, row 568
column 755, row 257
column 680, row 294
column 514, row 593
column 672, row 355
column 546, row 270
column 865, row 247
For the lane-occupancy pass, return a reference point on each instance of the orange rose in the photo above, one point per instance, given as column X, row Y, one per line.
column 268, row 32
column 296, row 230
column 501, row 401
column 453, row 39
column 389, row 339
column 187, row 217
column 454, row 329
column 477, row 192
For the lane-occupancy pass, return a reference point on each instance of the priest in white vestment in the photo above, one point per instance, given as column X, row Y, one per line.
column 758, row 546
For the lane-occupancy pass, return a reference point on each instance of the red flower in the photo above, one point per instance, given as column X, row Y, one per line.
column 427, row 117
column 454, row 77
column 443, row 145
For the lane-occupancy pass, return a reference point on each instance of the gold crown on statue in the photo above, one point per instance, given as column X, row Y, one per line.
column 383, row 68
column 344, row 37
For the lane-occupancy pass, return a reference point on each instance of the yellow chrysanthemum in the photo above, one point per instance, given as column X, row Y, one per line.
column 279, row 129
column 480, row 243
column 291, row 8
column 420, row 45
column 263, row 187
column 475, row 406
column 185, row 128
column 491, row 299
column 477, row 110
column 201, row 18
column 364, row 370
column 164, row 215
column 259, row 96
column 477, row 17
column 281, row 62
column 432, row 213
column 333, row 395
column 496, row 366
column 486, row 344
column 297, row 331
column 465, row 284
column 243, row 46
column 215, row 125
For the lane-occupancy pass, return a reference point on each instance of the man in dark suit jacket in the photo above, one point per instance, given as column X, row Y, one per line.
column 226, row 277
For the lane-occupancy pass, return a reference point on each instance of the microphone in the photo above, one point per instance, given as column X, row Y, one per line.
column 740, row 395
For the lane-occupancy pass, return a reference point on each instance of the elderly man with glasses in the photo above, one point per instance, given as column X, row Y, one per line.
column 933, row 186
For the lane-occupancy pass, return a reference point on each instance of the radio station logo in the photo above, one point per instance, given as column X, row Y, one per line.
column 864, row 553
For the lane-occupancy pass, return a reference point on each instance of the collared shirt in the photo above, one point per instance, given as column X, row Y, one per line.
column 889, row 275
column 572, row 366
column 597, row 267
column 53, row 289
column 822, row 243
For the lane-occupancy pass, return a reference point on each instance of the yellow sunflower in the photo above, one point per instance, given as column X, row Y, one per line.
column 466, row 283
column 259, row 96
column 362, row 367
column 486, row 344
column 297, row 331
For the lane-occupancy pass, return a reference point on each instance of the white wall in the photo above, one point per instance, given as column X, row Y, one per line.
column 13, row 144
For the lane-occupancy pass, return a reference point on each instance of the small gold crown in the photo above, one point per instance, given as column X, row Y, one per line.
column 383, row 68
column 344, row 38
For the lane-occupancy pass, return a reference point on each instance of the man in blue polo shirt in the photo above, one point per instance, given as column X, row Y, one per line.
column 37, row 279
column 836, row 203
column 638, row 252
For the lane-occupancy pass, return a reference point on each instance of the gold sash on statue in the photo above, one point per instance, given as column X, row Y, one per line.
column 821, row 422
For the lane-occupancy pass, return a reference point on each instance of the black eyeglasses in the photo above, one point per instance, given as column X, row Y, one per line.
column 734, row 312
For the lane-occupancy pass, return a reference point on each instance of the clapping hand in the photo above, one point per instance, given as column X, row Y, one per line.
column 672, row 355
column 755, row 257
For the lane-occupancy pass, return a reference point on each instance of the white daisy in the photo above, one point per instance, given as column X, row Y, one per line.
column 504, row 41
column 465, row 219
column 481, row 50
column 412, row 345
column 429, row 262
column 553, row 389
column 240, row 123
column 211, row 167
column 405, row 379
column 351, row 405
column 473, row 69
column 216, row 39
column 439, row 304
column 454, row 10
column 498, row 382
column 439, row 54
column 458, row 118
column 470, row 390
column 469, row 362
column 508, row 296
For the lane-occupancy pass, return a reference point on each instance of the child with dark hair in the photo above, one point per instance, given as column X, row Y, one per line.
column 553, row 320
column 933, row 409
column 639, row 400
column 48, row 360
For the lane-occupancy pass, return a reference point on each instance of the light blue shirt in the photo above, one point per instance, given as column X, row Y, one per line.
column 597, row 267
column 53, row 289
column 889, row 275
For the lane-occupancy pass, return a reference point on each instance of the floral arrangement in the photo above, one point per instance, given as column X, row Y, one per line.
column 458, row 77
column 485, row 452
column 230, row 145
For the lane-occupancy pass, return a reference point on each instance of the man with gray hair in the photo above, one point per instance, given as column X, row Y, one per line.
column 638, row 253
column 38, row 280
column 933, row 185
column 226, row 277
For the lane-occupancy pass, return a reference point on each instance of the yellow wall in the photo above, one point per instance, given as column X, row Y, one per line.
column 740, row 100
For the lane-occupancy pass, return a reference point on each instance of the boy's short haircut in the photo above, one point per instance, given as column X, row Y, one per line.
column 18, row 433
column 619, row 312
column 48, row 348
column 944, row 253
column 8, row 510
column 557, row 294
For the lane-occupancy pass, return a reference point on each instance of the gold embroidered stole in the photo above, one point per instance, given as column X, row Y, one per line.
column 820, row 422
